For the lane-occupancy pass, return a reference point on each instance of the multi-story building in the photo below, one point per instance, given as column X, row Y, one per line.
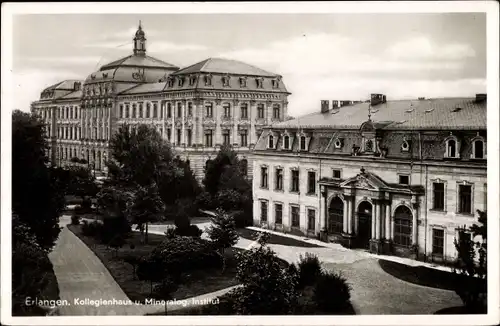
column 401, row 177
column 198, row 108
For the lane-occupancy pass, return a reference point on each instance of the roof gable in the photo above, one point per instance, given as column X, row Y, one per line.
column 364, row 180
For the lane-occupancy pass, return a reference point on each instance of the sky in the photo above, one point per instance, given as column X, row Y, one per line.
column 320, row 56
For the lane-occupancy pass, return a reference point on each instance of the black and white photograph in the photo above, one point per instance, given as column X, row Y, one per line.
column 277, row 163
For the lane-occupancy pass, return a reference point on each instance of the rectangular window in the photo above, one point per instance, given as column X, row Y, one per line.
column 209, row 138
column 438, row 242
column 227, row 110
column 140, row 110
column 189, row 137
column 179, row 110
column 465, row 199
column 244, row 138
column 155, row 110
column 311, row 182
column 263, row 211
column 190, row 109
column 279, row 179
column 404, row 179
column 311, row 219
column 260, row 111
column 169, row 134
column 263, row 177
column 336, row 173
column 295, row 181
column 244, row 111
column 226, row 137
column 438, row 196
column 126, row 111
column 295, row 216
column 169, row 111
column 178, row 136
column 278, row 213
column 209, row 110
column 276, row 113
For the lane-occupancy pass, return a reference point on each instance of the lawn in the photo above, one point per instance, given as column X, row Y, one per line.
column 193, row 284
column 422, row 275
column 276, row 239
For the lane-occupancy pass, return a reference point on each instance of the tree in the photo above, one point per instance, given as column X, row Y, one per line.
column 268, row 287
column 82, row 182
column 165, row 289
column 139, row 156
column 225, row 158
column 112, row 200
column 133, row 260
column 37, row 198
column 150, row 269
column 471, row 265
column 145, row 206
column 222, row 232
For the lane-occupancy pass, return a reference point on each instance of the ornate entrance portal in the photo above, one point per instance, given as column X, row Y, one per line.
column 335, row 216
column 364, row 224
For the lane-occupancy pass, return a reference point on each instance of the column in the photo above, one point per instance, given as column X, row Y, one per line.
column 323, row 208
column 352, row 216
column 388, row 234
column 194, row 132
column 163, row 106
column 345, row 222
column 235, row 127
column 374, row 219
column 172, row 130
column 414, row 226
column 217, row 117
column 378, row 220
column 183, row 133
column 252, row 115
column 199, row 122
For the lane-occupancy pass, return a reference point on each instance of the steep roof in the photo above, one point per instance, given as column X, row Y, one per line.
column 72, row 95
column 225, row 66
column 63, row 85
column 139, row 61
column 442, row 113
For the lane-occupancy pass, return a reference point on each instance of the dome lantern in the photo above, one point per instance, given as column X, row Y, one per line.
column 140, row 41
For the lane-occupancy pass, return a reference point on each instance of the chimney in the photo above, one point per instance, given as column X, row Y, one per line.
column 325, row 106
column 377, row 99
column 480, row 98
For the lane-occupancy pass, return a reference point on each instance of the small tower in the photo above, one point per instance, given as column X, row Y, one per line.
column 140, row 41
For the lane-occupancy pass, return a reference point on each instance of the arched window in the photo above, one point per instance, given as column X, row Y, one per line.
column 169, row 110
column 336, row 216
column 227, row 110
column 140, row 110
column 403, row 220
column 286, row 142
column 148, row 108
column 478, row 149
column 451, row 148
column 179, row 110
column 271, row 141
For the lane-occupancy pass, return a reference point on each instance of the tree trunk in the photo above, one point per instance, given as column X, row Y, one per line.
column 146, row 238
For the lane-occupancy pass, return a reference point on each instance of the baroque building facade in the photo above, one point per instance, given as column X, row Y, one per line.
column 394, row 177
column 197, row 109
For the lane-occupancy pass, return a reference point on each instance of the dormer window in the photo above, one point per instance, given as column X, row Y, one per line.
column 275, row 83
column 170, row 82
column 180, row 81
column 452, row 148
column 286, row 142
column 270, row 141
column 303, row 143
column 243, row 82
column 405, row 146
column 478, row 148
column 338, row 143
column 225, row 81
column 208, row 80
column 192, row 80
column 260, row 82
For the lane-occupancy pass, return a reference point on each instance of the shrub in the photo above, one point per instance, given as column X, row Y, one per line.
column 190, row 231
column 332, row 293
column 91, row 229
column 204, row 200
column 86, row 206
column 182, row 221
column 165, row 289
column 75, row 219
column 229, row 199
column 309, row 269
column 242, row 218
column 181, row 254
column 114, row 227
column 170, row 233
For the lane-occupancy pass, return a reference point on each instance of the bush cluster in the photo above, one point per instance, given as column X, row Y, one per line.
column 309, row 268
column 181, row 254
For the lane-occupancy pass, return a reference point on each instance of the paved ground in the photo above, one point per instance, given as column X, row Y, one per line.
column 81, row 274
